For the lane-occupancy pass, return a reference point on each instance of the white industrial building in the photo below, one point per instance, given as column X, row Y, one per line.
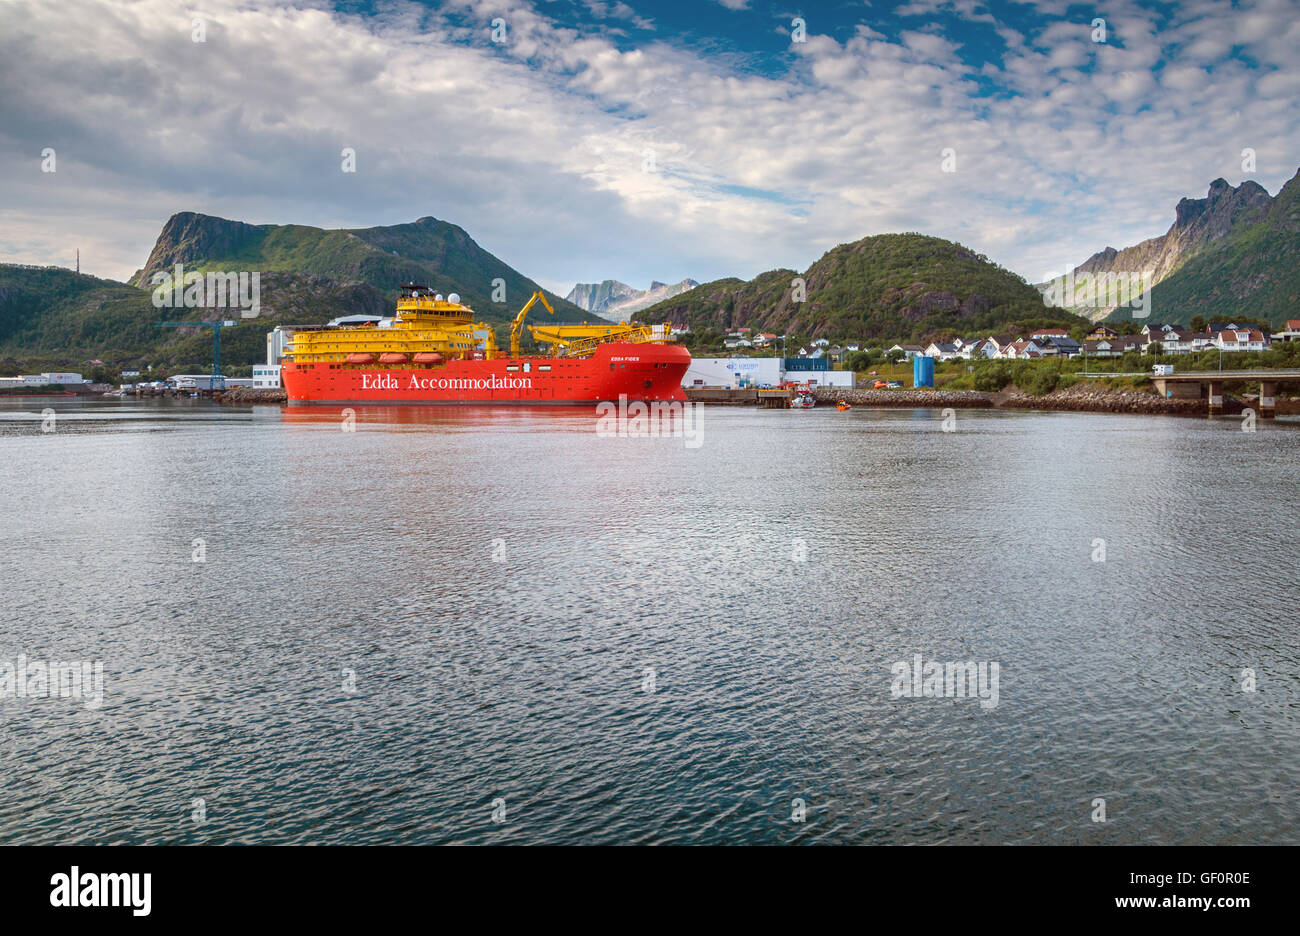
column 42, row 380
column 208, row 382
column 740, row 373
column 266, row 376
column 845, row 380
column 733, row 373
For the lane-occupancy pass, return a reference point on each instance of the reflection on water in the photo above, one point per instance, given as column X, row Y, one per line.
column 630, row 640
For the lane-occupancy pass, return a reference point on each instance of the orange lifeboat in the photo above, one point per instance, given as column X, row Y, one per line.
column 360, row 358
column 393, row 357
column 428, row 357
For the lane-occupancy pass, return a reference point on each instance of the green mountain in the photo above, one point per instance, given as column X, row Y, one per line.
column 58, row 319
column 1199, row 224
column 50, row 312
column 428, row 251
column 891, row 286
column 1251, row 271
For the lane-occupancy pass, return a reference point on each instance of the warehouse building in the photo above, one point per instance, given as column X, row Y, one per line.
column 741, row 373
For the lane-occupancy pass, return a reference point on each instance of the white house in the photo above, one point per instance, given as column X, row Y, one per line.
column 1290, row 333
column 968, row 348
column 994, row 344
column 1020, row 349
column 941, row 351
column 908, row 351
column 1241, row 339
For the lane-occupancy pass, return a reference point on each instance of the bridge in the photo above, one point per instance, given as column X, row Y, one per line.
column 1209, row 384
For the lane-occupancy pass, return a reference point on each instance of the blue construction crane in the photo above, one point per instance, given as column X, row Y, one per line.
column 216, row 344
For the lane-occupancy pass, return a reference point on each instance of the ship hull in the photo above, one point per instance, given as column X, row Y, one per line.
column 647, row 372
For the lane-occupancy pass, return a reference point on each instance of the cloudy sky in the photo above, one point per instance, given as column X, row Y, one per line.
column 580, row 140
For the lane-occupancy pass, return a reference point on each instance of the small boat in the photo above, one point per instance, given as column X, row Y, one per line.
column 803, row 400
column 393, row 357
column 842, row 405
column 428, row 357
column 360, row 358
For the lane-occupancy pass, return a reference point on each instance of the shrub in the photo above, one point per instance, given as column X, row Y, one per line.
column 992, row 376
column 1035, row 377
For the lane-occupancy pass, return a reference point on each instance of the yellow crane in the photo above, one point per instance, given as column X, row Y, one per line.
column 517, row 325
column 579, row 340
column 564, row 335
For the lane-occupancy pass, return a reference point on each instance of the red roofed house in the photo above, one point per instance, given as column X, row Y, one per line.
column 1242, row 339
column 1291, row 332
column 1020, row 349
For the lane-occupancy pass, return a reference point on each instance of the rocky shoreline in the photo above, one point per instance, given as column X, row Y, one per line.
column 1095, row 398
column 1081, row 398
column 250, row 396
column 908, row 399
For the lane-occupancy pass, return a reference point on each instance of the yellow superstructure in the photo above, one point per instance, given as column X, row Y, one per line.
column 427, row 324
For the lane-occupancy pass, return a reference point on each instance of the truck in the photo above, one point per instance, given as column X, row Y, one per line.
column 1162, row 370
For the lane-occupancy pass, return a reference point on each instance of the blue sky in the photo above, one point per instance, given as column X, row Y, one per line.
column 636, row 140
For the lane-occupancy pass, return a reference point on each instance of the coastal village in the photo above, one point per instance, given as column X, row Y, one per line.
column 1102, row 342
column 817, row 364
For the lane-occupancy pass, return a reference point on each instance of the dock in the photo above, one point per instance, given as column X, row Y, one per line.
column 721, row 396
column 1208, row 385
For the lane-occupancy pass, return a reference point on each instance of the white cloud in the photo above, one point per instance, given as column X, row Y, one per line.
column 539, row 147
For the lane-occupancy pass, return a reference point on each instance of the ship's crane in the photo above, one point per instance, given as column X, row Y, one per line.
column 581, row 340
column 564, row 335
column 216, row 343
column 517, row 325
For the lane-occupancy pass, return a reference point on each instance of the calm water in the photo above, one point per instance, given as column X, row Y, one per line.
column 350, row 665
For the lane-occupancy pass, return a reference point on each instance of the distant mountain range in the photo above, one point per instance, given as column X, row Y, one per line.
column 616, row 301
column 891, row 286
column 1234, row 253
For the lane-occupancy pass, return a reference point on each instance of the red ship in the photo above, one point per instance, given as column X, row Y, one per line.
column 432, row 351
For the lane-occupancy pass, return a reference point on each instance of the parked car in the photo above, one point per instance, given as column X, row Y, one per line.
column 1162, row 370
column 895, row 385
